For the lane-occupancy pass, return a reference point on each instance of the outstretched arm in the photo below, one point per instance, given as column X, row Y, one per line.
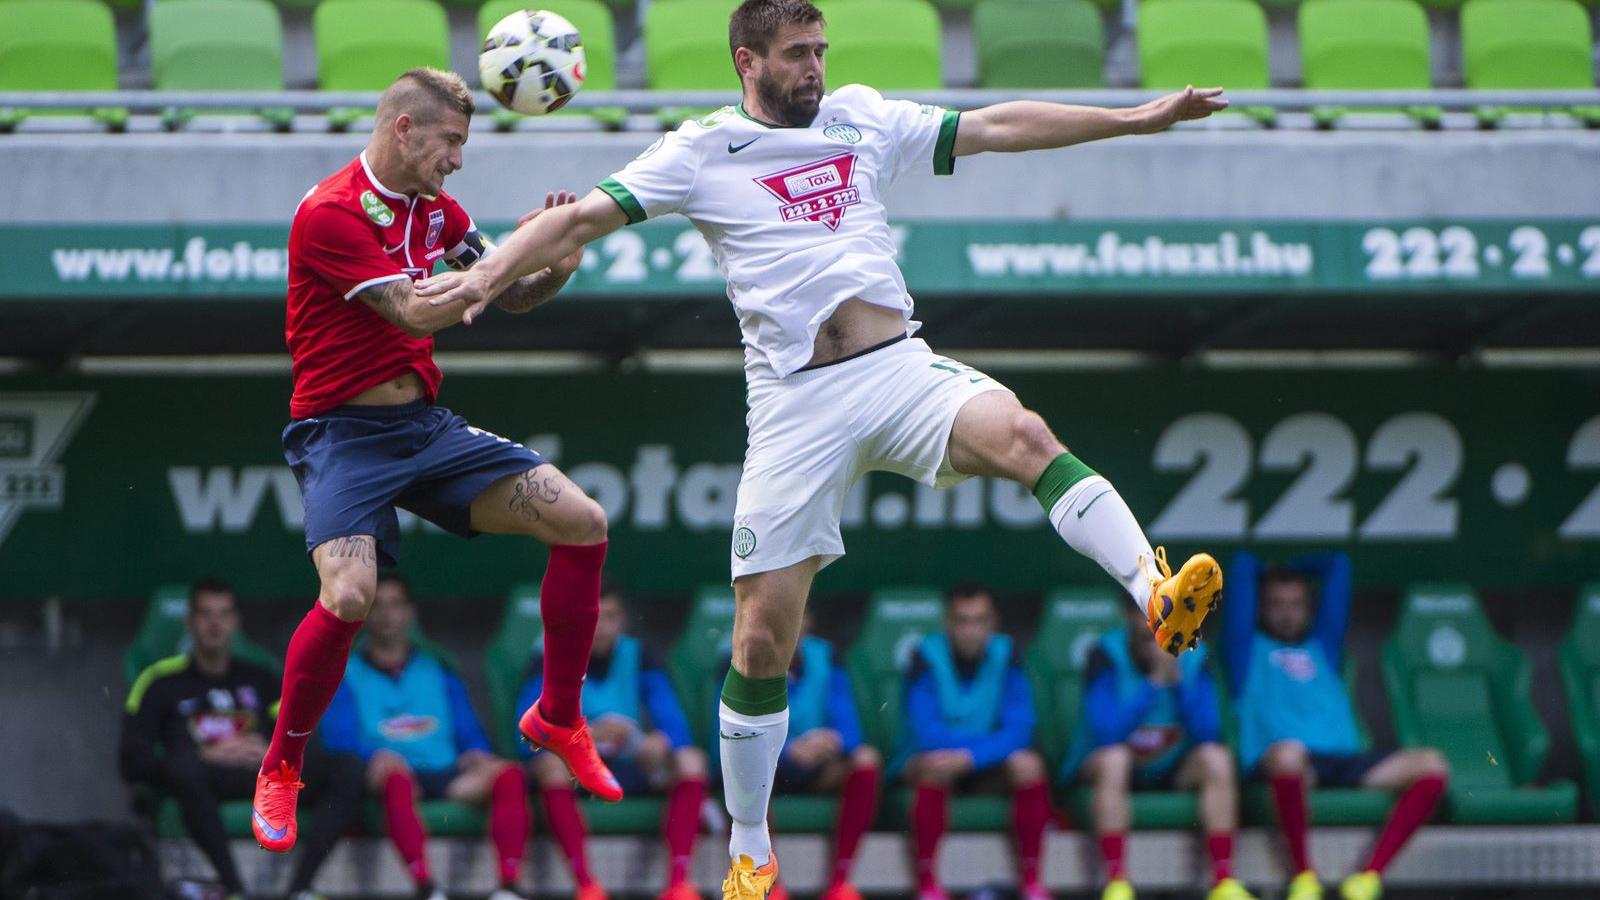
column 1034, row 125
column 554, row 235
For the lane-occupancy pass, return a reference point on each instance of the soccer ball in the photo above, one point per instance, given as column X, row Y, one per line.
column 532, row 62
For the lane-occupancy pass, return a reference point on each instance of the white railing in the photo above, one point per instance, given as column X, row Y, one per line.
column 650, row 101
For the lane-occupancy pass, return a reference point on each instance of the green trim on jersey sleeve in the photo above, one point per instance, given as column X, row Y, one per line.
column 944, row 152
column 161, row 668
column 625, row 199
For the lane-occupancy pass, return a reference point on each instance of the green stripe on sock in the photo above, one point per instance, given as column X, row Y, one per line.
column 1063, row 472
column 755, row 696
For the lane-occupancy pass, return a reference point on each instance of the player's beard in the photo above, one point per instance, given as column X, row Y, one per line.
column 796, row 107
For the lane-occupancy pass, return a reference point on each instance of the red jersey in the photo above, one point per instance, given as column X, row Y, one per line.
column 350, row 233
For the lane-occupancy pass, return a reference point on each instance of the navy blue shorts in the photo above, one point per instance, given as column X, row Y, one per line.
column 1339, row 770
column 355, row 464
column 435, row 784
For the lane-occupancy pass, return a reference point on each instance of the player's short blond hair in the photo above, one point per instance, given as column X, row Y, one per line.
column 425, row 94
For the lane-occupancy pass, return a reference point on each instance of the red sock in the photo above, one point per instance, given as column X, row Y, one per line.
column 1415, row 805
column 1113, row 846
column 566, row 823
column 1289, row 796
column 569, row 604
column 312, row 670
column 508, row 822
column 860, row 796
column 930, row 816
column 1030, row 812
column 1219, row 846
column 681, row 826
column 405, row 826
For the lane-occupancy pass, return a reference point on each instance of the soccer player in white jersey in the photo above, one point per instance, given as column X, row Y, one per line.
column 787, row 187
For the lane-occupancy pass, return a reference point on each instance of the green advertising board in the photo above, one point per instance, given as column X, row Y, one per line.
column 112, row 485
column 669, row 258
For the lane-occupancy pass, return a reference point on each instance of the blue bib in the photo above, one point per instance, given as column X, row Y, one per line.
column 1160, row 740
column 616, row 694
column 1293, row 691
column 968, row 707
column 808, row 691
column 409, row 715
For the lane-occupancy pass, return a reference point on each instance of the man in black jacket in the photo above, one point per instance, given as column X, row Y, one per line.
column 196, row 727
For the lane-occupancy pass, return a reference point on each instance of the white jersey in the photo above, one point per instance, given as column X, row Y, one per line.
column 794, row 216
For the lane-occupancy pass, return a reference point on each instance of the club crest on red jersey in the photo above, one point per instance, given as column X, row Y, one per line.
column 815, row 192
column 435, row 227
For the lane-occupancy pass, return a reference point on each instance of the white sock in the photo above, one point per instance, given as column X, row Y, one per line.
column 750, row 746
column 1093, row 519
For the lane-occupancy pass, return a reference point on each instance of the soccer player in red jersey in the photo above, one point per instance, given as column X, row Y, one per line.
column 366, row 437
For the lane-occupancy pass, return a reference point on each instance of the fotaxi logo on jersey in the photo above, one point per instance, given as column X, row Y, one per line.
column 815, row 192
column 34, row 431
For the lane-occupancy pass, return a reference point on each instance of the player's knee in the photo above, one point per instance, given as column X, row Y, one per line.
column 1433, row 764
column 589, row 524
column 1287, row 758
column 1111, row 765
column 549, row 771
column 866, row 757
column 757, row 646
column 1216, row 763
column 349, row 598
column 1032, row 436
column 690, row 762
column 1025, row 767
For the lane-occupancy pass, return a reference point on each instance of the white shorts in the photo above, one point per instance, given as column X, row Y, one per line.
column 814, row 433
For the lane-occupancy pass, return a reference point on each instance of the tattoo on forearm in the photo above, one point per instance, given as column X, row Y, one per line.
column 534, row 290
column 389, row 298
column 528, row 492
column 361, row 548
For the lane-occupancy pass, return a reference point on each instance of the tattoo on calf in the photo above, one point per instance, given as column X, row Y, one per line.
column 361, row 548
column 528, row 492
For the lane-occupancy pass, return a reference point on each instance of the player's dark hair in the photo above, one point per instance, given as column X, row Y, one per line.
column 439, row 89
column 756, row 22
column 963, row 590
column 1278, row 573
column 398, row 580
column 210, row 584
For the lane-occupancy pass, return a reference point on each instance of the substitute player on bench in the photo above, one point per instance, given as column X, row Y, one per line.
column 366, row 438
column 787, row 188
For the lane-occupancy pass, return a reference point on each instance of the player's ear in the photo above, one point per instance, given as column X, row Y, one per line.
column 744, row 59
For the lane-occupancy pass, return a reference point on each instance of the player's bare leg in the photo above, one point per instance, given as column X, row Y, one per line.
column 753, row 716
column 313, row 667
column 544, row 504
column 995, row 435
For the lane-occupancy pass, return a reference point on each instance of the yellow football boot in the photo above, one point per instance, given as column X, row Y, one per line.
column 1305, row 886
column 1119, row 889
column 1180, row 603
column 746, row 882
column 1366, row 885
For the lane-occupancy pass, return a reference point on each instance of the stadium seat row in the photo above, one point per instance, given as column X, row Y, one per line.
column 1452, row 684
column 892, row 44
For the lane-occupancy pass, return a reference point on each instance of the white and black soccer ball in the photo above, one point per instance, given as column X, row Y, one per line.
column 532, row 62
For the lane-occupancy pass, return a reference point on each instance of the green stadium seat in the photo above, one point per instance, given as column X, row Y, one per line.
column 892, row 45
column 506, row 662
column 697, row 657
column 364, row 45
column 1365, row 45
column 593, row 21
column 1206, row 43
column 1026, row 44
column 1455, row 685
column 1580, row 674
column 217, row 45
column 686, row 46
column 58, row 45
column 1527, row 44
